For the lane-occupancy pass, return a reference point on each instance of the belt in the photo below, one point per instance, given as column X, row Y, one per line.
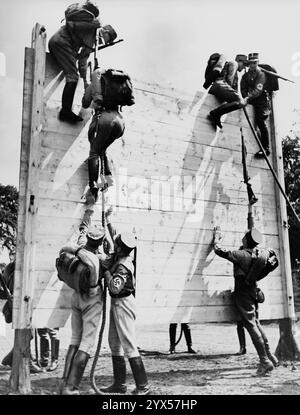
column 120, row 295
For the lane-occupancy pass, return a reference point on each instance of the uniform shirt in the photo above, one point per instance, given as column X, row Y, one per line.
column 252, row 84
column 83, row 36
column 120, row 279
column 241, row 259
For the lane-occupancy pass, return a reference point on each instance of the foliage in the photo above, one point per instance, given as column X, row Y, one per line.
column 291, row 163
column 8, row 216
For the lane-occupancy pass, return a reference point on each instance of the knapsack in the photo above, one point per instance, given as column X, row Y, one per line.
column 76, row 12
column 264, row 261
column 116, row 88
column 73, row 272
column 271, row 84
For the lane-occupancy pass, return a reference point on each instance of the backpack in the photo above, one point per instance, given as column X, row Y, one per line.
column 116, row 88
column 271, row 264
column 264, row 261
column 73, row 272
column 271, row 84
column 78, row 13
column 215, row 66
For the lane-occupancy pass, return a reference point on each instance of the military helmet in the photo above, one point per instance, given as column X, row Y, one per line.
column 253, row 57
column 95, row 232
column 241, row 57
column 128, row 239
column 254, row 237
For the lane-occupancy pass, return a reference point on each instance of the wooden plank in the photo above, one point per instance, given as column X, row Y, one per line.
column 26, row 280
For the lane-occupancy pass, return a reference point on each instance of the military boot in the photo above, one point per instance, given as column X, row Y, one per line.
column 188, row 338
column 8, row 359
column 119, row 370
column 140, row 376
column 265, row 364
column 93, row 168
column 78, row 366
column 270, row 355
column 66, row 113
column 172, row 335
column 54, row 355
column 242, row 338
column 44, row 348
column 216, row 114
column 68, row 364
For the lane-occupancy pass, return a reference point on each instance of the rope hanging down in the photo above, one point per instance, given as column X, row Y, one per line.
column 98, row 349
column 270, row 166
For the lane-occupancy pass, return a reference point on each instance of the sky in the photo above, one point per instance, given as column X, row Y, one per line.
column 166, row 42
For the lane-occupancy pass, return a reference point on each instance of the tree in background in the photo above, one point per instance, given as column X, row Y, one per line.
column 8, row 217
column 291, row 164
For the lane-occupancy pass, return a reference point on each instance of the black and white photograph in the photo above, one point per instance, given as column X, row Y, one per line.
column 149, row 201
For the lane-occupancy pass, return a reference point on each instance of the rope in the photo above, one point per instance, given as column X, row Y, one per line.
column 98, row 349
column 270, row 166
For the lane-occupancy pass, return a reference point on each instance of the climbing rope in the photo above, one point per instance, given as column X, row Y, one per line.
column 98, row 349
column 270, row 166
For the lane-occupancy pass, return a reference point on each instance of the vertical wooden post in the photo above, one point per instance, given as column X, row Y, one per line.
column 32, row 119
column 287, row 347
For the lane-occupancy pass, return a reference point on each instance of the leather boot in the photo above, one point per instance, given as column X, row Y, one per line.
column 270, row 355
column 172, row 334
column 44, row 346
column 242, row 338
column 93, row 168
column 8, row 359
column 216, row 114
column 188, row 337
column 140, row 377
column 68, row 364
column 66, row 113
column 265, row 364
column 119, row 369
column 54, row 355
column 78, row 366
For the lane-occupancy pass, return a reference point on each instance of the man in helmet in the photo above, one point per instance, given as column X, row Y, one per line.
column 120, row 278
column 87, row 307
column 241, row 60
column 220, row 75
column 246, row 294
column 72, row 45
column 254, row 92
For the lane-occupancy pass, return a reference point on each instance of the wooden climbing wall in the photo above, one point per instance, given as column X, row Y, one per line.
column 176, row 177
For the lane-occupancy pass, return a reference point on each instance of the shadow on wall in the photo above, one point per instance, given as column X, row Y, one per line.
column 201, row 159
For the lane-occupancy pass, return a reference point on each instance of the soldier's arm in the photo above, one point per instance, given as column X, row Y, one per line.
column 232, row 68
column 87, row 97
column 84, row 226
column 83, row 63
column 232, row 256
column 244, row 88
column 258, row 87
column 116, row 281
column 112, row 231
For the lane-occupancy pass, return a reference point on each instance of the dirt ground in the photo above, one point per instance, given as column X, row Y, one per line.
column 214, row 370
